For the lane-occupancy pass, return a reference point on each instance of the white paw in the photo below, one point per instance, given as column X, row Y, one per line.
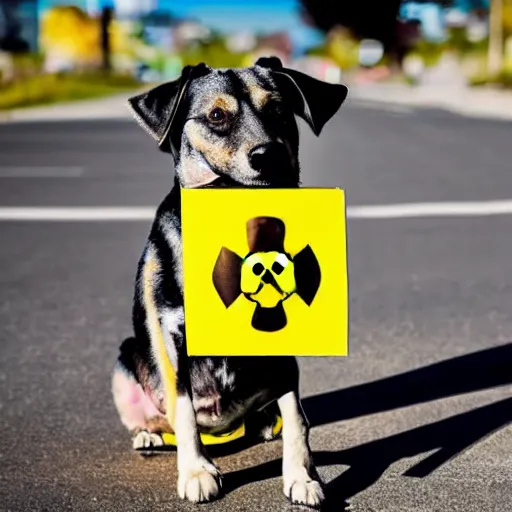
column 145, row 439
column 304, row 492
column 267, row 433
column 199, row 483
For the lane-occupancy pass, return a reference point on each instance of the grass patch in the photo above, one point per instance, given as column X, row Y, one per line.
column 48, row 89
column 504, row 80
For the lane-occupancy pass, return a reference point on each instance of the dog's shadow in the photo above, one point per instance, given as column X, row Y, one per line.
column 449, row 437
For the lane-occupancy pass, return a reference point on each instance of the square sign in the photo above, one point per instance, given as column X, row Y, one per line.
column 265, row 272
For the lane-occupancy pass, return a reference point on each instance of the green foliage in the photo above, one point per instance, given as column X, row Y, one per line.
column 430, row 52
column 27, row 64
column 45, row 89
column 458, row 41
column 214, row 53
column 503, row 79
column 23, row 66
column 317, row 51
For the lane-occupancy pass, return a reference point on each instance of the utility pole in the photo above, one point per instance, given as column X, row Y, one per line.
column 495, row 52
column 106, row 18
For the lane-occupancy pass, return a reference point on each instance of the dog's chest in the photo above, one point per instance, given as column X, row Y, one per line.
column 221, row 393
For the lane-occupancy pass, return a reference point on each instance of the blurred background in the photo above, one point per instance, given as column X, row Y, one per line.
column 95, row 47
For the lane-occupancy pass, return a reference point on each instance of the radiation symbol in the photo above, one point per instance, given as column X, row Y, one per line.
column 267, row 275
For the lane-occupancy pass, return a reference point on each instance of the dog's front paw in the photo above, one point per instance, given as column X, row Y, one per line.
column 303, row 491
column 200, row 482
column 146, row 440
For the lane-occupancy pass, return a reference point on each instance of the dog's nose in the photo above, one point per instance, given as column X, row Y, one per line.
column 268, row 157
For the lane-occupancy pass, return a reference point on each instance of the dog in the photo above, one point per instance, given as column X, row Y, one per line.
column 223, row 128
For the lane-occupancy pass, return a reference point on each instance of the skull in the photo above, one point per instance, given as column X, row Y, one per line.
column 268, row 278
column 268, row 275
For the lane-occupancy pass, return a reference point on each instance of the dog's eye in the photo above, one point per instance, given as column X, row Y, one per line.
column 258, row 269
column 218, row 115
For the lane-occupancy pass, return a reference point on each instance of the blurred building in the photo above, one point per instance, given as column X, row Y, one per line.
column 278, row 44
column 436, row 19
column 186, row 32
column 158, row 29
column 431, row 18
column 18, row 25
column 123, row 8
column 133, row 8
column 321, row 68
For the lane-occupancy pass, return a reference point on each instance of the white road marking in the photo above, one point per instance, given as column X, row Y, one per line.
column 77, row 214
column 11, row 171
column 386, row 211
column 449, row 209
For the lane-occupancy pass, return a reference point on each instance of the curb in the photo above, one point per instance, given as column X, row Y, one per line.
column 5, row 117
column 12, row 118
column 110, row 107
column 499, row 108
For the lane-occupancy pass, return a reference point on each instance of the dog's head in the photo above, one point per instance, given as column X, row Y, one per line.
column 236, row 127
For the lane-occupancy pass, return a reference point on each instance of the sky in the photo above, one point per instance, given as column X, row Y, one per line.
column 265, row 15
column 227, row 15
column 431, row 15
column 242, row 15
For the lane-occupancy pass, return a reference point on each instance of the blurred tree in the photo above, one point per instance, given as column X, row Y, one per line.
column 495, row 54
column 367, row 18
column 10, row 38
column 375, row 19
column 213, row 52
column 106, row 19
column 507, row 17
column 372, row 19
column 69, row 35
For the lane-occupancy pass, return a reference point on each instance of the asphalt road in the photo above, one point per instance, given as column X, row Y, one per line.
column 415, row 419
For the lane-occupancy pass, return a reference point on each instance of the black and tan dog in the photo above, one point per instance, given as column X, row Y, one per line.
column 224, row 128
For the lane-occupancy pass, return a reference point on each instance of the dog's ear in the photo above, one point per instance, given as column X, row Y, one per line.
column 156, row 109
column 313, row 100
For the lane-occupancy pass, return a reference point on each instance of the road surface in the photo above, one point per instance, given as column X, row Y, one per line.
column 415, row 419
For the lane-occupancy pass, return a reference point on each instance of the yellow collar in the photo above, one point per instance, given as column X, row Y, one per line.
column 209, row 439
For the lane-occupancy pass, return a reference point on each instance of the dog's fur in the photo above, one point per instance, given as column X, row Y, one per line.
column 227, row 128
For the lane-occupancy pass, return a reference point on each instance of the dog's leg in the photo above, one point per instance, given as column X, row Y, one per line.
column 136, row 410
column 301, row 481
column 199, row 480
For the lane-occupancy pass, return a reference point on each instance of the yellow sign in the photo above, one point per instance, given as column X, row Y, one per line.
column 265, row 272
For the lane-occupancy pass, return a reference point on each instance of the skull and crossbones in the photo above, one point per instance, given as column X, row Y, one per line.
column 267, row 275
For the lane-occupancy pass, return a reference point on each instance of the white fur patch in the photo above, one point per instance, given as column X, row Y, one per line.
column 145, row 439
column 132, row 403
column 226, row 378
column 171, row 320
column 199, row 479
column 196, row 172
column 199, row 484
column 299, row 486
column 173, row 239
column 187, row 435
